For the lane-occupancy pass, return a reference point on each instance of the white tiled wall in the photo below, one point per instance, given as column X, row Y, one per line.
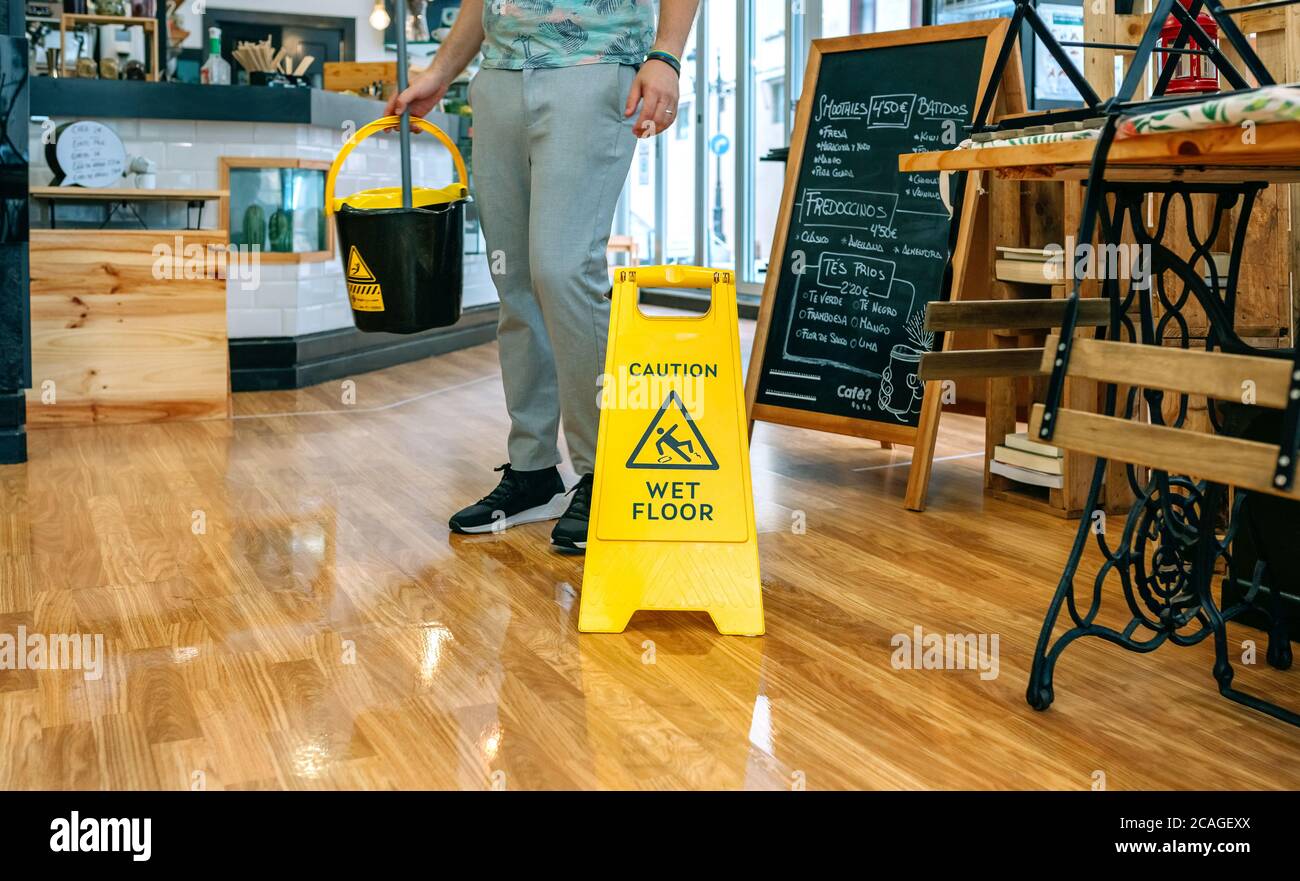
column 290, row 299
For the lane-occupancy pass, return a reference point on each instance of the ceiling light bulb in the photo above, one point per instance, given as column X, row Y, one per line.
column 379, row 19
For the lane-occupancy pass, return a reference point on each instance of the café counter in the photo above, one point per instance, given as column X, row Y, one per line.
column 166, row 310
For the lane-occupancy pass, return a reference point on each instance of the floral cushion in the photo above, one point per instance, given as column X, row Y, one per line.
column 1041, row 138
column 1268, row 104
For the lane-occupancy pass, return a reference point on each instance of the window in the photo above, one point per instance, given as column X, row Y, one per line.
column 775, row 108
column 682, row 130
column 639, row 219
column 1064, row 18
column 709, row 192
column 843, row 17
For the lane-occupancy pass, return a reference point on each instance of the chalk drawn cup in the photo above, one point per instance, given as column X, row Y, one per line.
column 904, row 361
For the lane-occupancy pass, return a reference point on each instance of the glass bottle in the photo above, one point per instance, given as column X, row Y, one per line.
column 216, row 70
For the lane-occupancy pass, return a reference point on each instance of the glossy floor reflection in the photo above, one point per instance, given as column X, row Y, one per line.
column 282, row 606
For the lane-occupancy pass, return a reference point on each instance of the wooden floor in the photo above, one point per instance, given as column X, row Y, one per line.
column 283, row 607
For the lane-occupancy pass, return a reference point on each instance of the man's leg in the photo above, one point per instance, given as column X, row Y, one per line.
column 581, row 151
column 502, row 186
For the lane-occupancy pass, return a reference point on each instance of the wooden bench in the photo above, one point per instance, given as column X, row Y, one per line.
column 1001, row 366
column 623, row 245
column 1000, row 315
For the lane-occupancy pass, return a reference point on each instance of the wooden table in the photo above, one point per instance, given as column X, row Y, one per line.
column 1208, row 156
column 1160, row 539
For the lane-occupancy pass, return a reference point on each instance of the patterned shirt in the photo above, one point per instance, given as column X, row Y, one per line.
column 565, row 33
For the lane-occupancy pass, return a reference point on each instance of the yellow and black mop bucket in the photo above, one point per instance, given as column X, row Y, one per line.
column 402, row 248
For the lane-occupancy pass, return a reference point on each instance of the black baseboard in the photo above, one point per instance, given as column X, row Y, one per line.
column 262, row 364
column 13, row 427
column 280, row 363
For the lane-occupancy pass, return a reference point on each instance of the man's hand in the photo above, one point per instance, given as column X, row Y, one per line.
column 421, row 95
column 656, row 89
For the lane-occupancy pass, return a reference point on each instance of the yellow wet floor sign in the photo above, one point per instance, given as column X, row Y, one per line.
column 672, row 518
column 363, row 288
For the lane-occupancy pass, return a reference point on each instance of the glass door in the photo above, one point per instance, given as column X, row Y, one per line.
column 708, row 191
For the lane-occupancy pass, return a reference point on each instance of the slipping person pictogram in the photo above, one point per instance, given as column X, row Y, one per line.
column 357, row 269
column 666, row 439
column 677, row 442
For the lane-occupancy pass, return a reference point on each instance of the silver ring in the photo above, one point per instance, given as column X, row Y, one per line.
column 670, row 113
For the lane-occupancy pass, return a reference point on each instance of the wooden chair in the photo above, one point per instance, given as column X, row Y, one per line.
column 1186, row 553
column 623, row 245
column 1244, row 464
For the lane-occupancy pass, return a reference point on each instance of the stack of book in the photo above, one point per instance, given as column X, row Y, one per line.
column 1028, row 461
column 1030, row 265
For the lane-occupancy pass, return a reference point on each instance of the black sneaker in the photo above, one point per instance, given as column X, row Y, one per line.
column 571, row 531
column 521, row 497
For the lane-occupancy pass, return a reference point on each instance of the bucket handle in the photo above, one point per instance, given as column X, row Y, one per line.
column 383, row 124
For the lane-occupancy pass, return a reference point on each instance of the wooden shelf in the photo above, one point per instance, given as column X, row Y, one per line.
column 124, row 194
column 125, row 20
column 1215, row 153
column 70, row 21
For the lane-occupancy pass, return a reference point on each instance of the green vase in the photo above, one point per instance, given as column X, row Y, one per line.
column 254, row 232
column 280, row 230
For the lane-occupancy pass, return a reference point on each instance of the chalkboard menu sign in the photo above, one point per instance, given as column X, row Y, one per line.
column 861, row 248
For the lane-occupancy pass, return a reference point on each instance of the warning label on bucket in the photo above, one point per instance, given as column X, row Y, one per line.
column 363, row 288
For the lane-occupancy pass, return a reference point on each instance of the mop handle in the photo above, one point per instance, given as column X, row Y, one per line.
column 406, row 114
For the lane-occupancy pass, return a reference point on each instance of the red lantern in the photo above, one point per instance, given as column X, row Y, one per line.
column 1192, row 73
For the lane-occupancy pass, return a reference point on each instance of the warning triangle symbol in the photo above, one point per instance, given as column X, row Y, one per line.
column 673, row 441
column 357, row 268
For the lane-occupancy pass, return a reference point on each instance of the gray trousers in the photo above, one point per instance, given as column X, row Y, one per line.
column 551, row 154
